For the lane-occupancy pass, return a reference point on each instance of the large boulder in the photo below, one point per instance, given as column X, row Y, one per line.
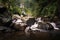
column 30, row 21
column 18, row 23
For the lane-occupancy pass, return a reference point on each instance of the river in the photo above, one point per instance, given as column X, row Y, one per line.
column 20, row 35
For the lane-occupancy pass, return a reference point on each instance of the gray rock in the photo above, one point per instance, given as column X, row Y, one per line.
column 5, row 29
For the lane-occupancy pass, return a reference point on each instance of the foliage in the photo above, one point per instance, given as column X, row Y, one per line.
column 44, row 7
column 34, row 7
column 12, row 5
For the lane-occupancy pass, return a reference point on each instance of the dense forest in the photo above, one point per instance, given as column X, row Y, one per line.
column 36, row 8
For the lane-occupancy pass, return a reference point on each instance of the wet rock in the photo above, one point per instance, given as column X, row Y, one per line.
column 18, row 23
column 30, row 21
column 5, row 29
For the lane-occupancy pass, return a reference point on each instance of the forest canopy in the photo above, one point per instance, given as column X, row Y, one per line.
column 35, row 7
